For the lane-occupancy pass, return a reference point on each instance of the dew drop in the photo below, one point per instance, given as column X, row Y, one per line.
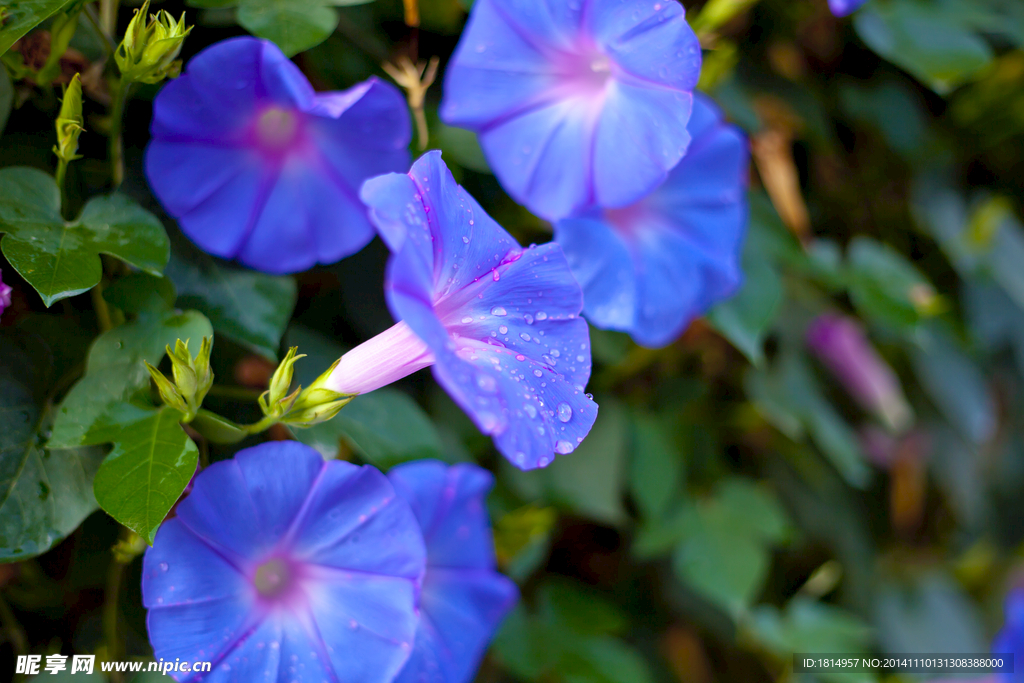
column 164, row 567
column 541, row 315
column 564, row 412
column 486, row 383
column 528, row 318
column 503, row 329
column 467, row 320
column 498, row 310
column 564, row 447
column 538, row 373
column 520, row 357
column 530, row 410
column 465, row 240
column 524, row 336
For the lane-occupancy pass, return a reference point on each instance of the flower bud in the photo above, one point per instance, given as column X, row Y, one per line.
column 201, row 364
column 276, row 401
column 317, row 403
column 840, row 343
column 151, row 45
column 69, row 122
column 168, row 392
column 184, row 371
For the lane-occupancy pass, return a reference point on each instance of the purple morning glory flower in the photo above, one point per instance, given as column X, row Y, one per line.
column 5, row 295
column 464, row 598
column 843, row 347
column 499, row 324
column 1010, row 639
column 842, row 8
column 281, row 567
column 576, row 103
column 256, row 166
column 651, row 268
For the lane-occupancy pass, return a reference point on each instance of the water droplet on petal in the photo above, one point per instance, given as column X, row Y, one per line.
column 541, row 315
column 530, row 410
column 538, row 373
column 528, row 318
column 564, row 447
column 467, row 319
column 564, row 412
column 499, row 311
column 524, row 336
column 164, row 567
column 465, row 240
column 503, row 329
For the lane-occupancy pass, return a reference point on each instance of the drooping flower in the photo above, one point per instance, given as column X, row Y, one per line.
column 5, row 294
column 464, row 598
column 844, row 349
column 280, row 567
column 499, row 324
column 650, row 268
column 256, row 166
column 576, row 103
column 842, row 8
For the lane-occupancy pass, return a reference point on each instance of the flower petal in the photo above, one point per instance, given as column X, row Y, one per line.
column 203, row 631
column 255, row 657
column 603, row 265
column 368, row 622
column 461, row 611
column 350, row 504
column 180, row 568
column 449, row 505
column 631, row 155
column 648, row 39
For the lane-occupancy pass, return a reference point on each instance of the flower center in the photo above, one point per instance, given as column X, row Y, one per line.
column 277, row 128
column 587, row 73
column 272, row 578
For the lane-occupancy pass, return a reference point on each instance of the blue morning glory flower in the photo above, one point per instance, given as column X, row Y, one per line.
column 576, row 103
column 842, row 8
column 464, row 598
column 282, row 567
column 1010, row 639
column 499, row 324
column 650, row 268
column 256, row 166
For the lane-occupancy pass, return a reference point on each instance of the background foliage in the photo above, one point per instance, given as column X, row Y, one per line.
column 732, row 505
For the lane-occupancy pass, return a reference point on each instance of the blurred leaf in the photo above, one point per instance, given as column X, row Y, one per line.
column 582, row 611
column 656, row 467
column 995, row 320
column 724, row 551
column 745, row 318
column 6, row 97
column 46, row 493
column 24, row 15
column 568, row 641
column 956, row 385
column 928, row 613
column 928, row 39
column 807, row 626
column 591, row 479
column 789, row 397
column 61, row 259
column 249, row 307
column 522, row 539
column 115, row 372
column 462, row 147
column 885, row 287
column 892, row 107
column 151, row 464
column 294, row 25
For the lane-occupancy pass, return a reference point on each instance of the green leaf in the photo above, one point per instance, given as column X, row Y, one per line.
column 789, row 397
column 579, row 609
column 656, row 467
column 6, row 97
column 925, row 38
column 115, row 372
column 956, row 385
column 727, row 569
column 61, row 259
column 249, row 307
column 883, row 284
column 295, row 25
column 25, row 15
column 44, row 494
column 591, row 480
column 745, row 319
column 151, row 464
column 927, row 613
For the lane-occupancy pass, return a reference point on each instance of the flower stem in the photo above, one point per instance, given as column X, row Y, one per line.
column 99, row 304
column 108, row 16
column 62, row 169
column 116, row 143
column 115, row 572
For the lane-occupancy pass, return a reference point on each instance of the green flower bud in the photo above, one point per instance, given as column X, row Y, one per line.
column 204, row 375
column 168, row 392
column 69, row 122
column 184, row 372
column 317, row 403
column 151, row 45
column 276, row 401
